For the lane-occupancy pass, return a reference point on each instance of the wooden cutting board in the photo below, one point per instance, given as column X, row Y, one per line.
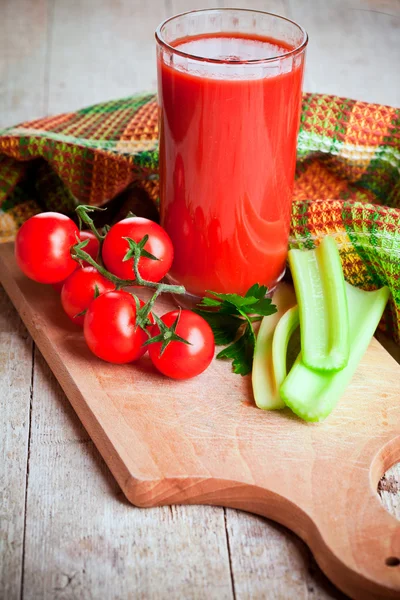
column 203, row 441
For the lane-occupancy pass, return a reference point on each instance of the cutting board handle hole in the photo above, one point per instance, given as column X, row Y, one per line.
column 392, row 561
column 382, row 462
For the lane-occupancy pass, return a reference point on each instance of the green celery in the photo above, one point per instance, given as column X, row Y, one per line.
column 282, row 334
column 324, row 324
column 312, row 395
column 265, row 390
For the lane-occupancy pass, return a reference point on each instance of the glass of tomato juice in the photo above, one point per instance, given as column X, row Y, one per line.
column 229, row 90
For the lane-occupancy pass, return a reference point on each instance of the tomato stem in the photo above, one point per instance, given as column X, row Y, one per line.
column 83, row 215
column 79, row 254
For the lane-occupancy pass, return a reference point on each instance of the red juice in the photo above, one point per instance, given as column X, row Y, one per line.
column 227, row 160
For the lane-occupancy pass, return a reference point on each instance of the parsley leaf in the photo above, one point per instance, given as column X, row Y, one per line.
column 262, row 307
column 225, row 327
column 231, row 318
column 206, row 301
column 257, row 291
column 241, row 352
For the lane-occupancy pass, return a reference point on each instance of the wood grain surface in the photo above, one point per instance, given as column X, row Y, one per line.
column 58, row 55
column 203, row 441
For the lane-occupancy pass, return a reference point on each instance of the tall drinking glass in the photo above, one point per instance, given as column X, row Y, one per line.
column 229, row 89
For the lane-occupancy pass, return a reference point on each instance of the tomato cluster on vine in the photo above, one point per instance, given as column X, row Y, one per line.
column 92, row 270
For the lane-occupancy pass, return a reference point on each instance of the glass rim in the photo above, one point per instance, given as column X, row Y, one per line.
column 297, row 50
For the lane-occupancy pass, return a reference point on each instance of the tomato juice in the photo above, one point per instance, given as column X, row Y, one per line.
column 228, row 130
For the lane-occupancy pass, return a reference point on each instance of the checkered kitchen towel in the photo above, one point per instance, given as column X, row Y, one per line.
column 347, row 181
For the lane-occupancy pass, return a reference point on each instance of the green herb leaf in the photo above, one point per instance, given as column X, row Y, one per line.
column 206, row 301
column 262, row 307
column 230, row 316
column 244, row 305
column 257, row 291
column 235, row 299
column 224, row 327
column 241, row 352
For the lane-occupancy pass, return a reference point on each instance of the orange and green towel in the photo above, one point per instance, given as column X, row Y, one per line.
column 347, row 180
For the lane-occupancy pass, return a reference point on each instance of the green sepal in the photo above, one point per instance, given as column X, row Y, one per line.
column 137, row 249
column 166, row 335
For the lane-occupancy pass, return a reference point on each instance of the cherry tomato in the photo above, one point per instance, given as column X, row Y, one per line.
column 110, row 328
column 92, row 248
column 42, row 247
column 180, row 360
column 79, row 290
column 159, row 244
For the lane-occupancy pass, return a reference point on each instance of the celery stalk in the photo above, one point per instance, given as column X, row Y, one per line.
column 312, row 395
column 324, row 325
column 265, row 390
column 282, row 334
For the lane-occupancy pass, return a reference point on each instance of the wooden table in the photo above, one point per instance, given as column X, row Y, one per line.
column 66, row 531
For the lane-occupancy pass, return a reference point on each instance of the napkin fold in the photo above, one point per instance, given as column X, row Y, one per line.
column 347, row 179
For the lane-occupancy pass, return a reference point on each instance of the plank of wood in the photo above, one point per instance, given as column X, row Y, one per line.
column 23, row 50
column 83, row 540
column 15, row 378
column 23, row 67
column 354, row 48
column 266, row 556
column 202, row 441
